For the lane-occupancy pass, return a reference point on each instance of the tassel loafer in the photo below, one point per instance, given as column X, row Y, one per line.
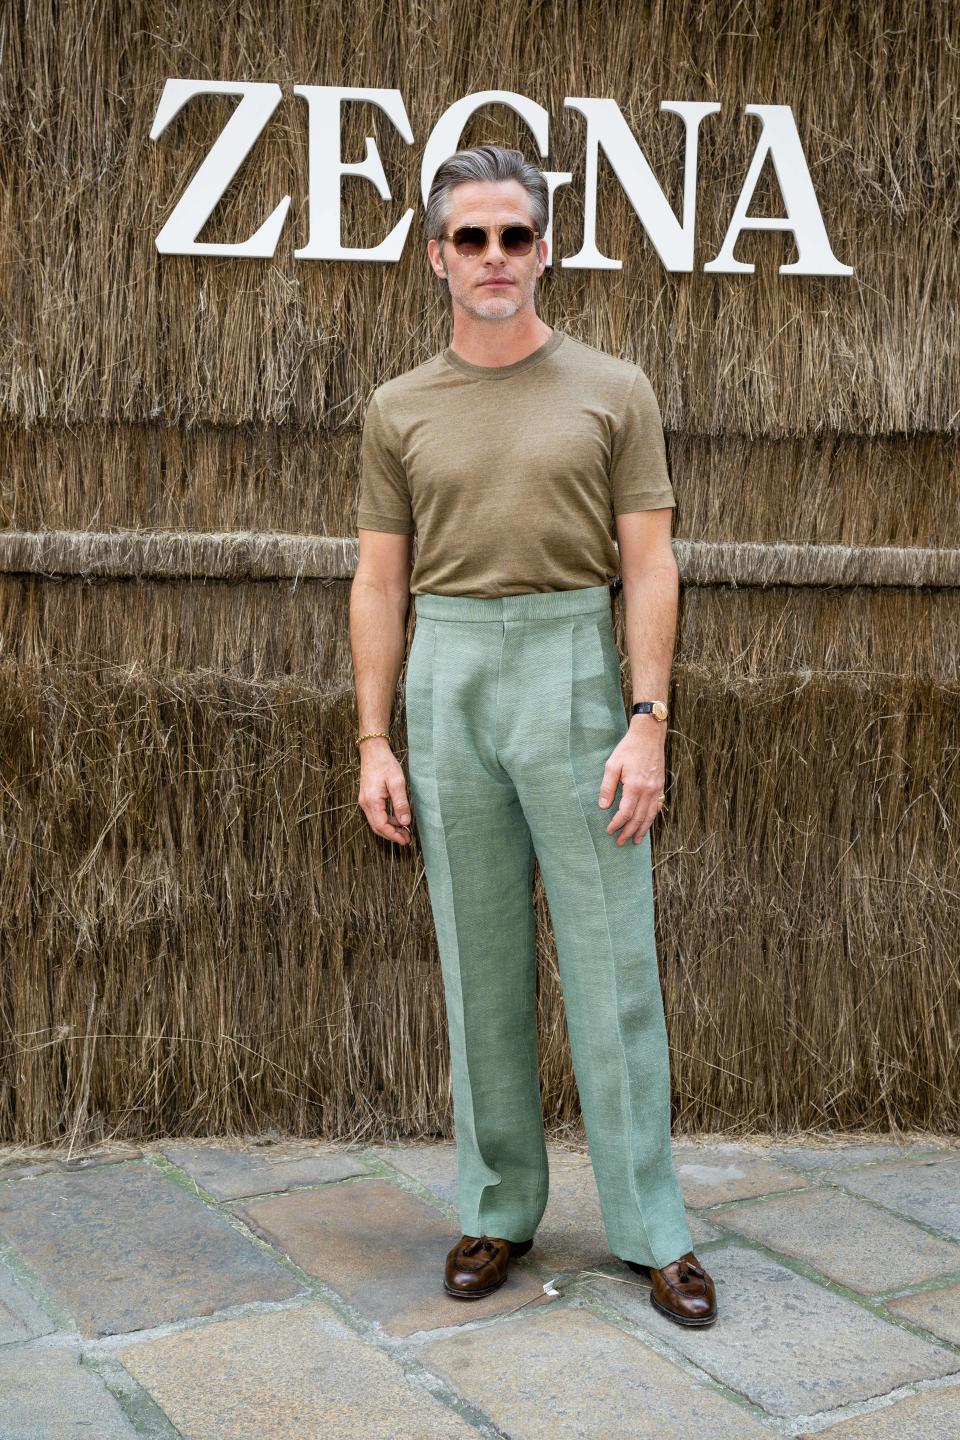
column 682, row 1290
column 478, row 1264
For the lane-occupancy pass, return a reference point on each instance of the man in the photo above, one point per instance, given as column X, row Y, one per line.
column 510, row 455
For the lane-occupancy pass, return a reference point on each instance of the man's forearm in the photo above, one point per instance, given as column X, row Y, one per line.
column 378, row 628
column 650, row 603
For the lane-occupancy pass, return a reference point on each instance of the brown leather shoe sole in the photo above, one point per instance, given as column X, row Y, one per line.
column 681, row 1319
column 517, row 1247
column 699, row 1324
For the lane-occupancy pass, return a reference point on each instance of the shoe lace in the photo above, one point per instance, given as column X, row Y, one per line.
column 482, row 1242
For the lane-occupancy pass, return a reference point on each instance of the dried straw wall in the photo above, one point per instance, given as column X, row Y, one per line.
column 198, row 930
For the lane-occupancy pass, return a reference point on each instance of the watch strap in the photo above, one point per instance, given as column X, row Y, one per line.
column 646, row 707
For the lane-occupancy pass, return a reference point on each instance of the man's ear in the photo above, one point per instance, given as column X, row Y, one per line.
column 442, row 273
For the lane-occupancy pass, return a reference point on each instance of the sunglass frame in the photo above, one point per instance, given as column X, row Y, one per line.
column 511, row 225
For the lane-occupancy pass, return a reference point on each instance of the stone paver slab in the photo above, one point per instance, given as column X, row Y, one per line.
column 844, row 1237
column 123, row 1247
column 46, row 1394
column 227, row 1173
column 286, row 1375
column 928, row 1415
column 835, row 1157
column 936, row 1310
column 433, row 1164
column 711, row 1173
column 41, row 1159
column 565, row 1372
column 21, row 1318
column 789, row 1344
column 383, row 1249
column 16, row 1170
column 927, row 1190
column 570, row 1235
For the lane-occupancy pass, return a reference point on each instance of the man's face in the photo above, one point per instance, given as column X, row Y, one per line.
column 492, row 203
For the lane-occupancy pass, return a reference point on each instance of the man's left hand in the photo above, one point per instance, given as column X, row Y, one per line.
column 638, row 765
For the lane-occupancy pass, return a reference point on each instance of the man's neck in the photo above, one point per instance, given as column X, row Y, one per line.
column 489, row 343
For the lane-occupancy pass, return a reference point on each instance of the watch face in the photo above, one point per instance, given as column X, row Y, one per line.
column 659, row 710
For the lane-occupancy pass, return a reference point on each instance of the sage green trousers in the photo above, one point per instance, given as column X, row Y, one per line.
column 513, row 705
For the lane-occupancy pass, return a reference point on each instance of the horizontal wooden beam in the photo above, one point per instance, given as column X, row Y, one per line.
column 269, row 555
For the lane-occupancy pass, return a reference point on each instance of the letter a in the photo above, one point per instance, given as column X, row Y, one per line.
column 780, row 140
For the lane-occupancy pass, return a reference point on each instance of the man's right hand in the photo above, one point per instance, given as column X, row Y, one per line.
column 382, row 779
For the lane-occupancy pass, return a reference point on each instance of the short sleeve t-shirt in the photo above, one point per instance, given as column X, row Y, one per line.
column 509, row 476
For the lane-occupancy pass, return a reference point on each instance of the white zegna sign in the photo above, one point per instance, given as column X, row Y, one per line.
column 606, row 130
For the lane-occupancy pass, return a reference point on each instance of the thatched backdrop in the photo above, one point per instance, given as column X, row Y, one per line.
column 198, row 930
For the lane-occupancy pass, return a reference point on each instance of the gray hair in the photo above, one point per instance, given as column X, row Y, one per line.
column 484, row 162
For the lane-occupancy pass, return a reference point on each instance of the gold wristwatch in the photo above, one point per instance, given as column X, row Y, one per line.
column 656, row 708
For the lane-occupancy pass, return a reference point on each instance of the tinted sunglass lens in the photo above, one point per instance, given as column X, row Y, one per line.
column 517, row 240
column 469, row 240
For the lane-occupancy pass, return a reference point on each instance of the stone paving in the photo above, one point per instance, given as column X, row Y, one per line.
column 231, row 1290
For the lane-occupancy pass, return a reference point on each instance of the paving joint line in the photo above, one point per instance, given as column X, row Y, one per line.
column 610, row 1312
column 144, row 1414
column 885, row 1210
column 802, row 1268
column 182, row 1177
column 924, row 1225
column 870, row 1303
column 821, row 1419
column 795, row 1426
column 33, row 1285
column 367, row 1330
column 403, row 1349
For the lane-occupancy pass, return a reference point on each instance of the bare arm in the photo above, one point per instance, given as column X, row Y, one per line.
column 651, row 587
column 379, row 601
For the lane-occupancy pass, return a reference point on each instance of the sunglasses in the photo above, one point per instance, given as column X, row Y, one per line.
column 472, row 240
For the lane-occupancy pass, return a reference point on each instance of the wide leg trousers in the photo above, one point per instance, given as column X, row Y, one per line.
column 513, row 704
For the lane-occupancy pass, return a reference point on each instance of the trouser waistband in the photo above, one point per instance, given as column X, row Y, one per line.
column 539, row 605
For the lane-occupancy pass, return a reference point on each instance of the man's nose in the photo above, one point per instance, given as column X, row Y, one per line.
column 493, row 249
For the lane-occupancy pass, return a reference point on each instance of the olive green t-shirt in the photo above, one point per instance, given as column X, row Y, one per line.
column 509, row 476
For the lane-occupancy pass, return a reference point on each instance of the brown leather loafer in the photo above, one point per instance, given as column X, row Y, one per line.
column 478, row 1264
column 682, row 1290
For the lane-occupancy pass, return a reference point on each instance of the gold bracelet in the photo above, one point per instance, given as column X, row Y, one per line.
column 370, row 734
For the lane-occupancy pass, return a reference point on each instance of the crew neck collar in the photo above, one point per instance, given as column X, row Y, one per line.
column 503, row 372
